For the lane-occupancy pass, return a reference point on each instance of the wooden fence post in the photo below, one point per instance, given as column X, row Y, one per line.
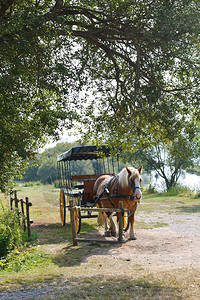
column 11, row 201
column 73, row 226
column 28, row 217
column 23, row 216
column 120, row 238
column 16, row 200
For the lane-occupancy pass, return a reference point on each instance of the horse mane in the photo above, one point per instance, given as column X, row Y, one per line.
column 123, row 176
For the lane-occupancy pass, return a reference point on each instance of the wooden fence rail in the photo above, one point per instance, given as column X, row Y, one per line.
column 26, row 222
column 72, row 210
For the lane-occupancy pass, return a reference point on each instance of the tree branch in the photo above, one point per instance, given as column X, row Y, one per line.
column 5, row 6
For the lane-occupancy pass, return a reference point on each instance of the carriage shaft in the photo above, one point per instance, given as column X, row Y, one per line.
column 95, row 209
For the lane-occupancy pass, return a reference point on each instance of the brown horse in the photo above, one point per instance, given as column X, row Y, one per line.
column 125, row 187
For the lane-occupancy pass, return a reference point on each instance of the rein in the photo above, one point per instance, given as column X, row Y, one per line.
column 134, row 208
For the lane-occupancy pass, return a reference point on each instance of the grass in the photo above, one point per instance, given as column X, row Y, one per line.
column 104, row 287
column 119, row 278
column 153, row 202
column 150, row 225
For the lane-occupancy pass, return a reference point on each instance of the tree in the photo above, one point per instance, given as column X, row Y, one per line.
column 169, row 160
column 31, row 171
column 45, row 169
column 30, row 105
column 125, row 71
column 47, row 172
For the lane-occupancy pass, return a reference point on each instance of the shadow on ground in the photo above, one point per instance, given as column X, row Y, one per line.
column 59, row 237
column 98, row 287
column 107, row 287
column 55, row 233
column 189, row 209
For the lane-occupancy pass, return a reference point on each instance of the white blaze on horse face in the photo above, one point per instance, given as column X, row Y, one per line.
column 133, row 179
column 138, row 192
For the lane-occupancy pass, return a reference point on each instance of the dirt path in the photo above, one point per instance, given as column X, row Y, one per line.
column 166, row 248
column 174, row 246
column 156, row 249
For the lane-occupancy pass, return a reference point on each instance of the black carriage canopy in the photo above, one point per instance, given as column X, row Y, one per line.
column 84, row 153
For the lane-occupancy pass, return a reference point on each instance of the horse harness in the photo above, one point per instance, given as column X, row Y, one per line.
column 107, row 184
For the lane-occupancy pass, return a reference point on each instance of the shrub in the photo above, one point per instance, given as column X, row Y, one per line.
column 197, row 194
column 29, row 184
column 179, row 190
column 56, row 184
column 16, row 252
column 150, row 189
column 10, row 231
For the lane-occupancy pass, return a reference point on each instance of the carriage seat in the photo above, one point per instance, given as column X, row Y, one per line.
column 88, row 181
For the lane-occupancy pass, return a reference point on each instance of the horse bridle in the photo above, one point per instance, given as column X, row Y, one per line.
column 133, row 188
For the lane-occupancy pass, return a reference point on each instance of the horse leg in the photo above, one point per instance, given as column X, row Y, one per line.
column 106, row 230
column 113, row 226
column 131, row 232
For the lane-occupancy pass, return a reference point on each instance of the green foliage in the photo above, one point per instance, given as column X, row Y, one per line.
column 47, row 172
column 179, row 190
column 124, row 72
column 46, row 167
column 150, row 189
column 10, row 231
column 56, row 184
column 14, row 255
column 32, row 183
column 17, row 261
column 194, row 170
column 32, row 237
column 170, row 159
column 197, row 195
column 31, row 170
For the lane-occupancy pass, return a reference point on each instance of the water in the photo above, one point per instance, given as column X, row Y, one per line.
column 191, row 181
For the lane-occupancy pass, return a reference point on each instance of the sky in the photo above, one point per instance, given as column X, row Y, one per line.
column 65, row 137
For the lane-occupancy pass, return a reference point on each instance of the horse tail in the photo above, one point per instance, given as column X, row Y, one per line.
column 100, row 219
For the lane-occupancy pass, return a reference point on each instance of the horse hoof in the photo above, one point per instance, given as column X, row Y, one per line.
column 114, row 234
column 132, row 238
column 122, row 240
column 107, row 233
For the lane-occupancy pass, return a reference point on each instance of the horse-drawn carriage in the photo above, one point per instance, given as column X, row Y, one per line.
column 83, row 188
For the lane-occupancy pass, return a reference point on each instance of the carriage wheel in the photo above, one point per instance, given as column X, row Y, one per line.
column 77, row 215
column 126, row 220
column 62, row 207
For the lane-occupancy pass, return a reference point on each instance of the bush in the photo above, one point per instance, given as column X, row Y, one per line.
column 10, row 231
column 197, row 194
column 150, row 189
column 31, row 183
column 16, row 252
column 56, row 184
column 180, row 190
